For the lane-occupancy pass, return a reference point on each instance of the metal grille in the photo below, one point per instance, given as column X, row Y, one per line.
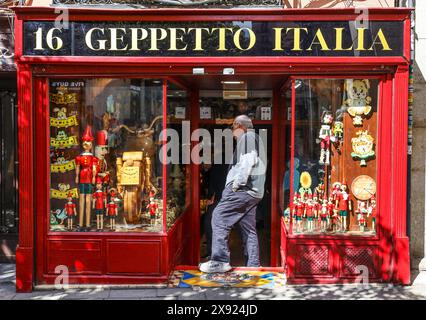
column 174, row 3
column 354, row 258
column 313, row 260
column 9, row 164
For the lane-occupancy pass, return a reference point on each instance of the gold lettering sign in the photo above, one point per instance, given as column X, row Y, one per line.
column 57, row 194
column 64, row 123
column 130, row 176
column 63, row 98
column 62, row 167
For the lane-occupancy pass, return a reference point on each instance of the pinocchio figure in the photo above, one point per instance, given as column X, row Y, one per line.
column 86, row 168
column 99, row 204
column 152, row 207
column 372, row 211
column 112, row 209
column 324, row 214
column 344, row 204
column 310, row 213
column 71, row 210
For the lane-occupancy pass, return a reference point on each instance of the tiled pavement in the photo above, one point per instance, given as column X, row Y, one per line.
column 318, row 292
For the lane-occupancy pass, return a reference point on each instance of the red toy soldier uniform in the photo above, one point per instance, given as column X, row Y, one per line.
column 112, row 209
column 101, row 150
column 99, row 204
column 86, row 168
column 70, row 209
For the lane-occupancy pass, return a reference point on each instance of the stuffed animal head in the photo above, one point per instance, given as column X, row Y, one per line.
column 357, row 89
column 63, row 187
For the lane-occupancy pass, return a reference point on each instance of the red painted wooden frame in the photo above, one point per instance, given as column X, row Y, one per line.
column 33, row 101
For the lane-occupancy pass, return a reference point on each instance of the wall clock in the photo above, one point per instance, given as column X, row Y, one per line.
column 364, row 187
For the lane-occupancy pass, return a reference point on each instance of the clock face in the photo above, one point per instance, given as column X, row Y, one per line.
column 364, row 187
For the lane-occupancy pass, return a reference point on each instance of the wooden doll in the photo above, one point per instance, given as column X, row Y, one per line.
column 99, row 204
column 344, row 204
column 112, row 209
column 310, row 213
column 326, row 137
column 86, row 168
column 362, row 212
column 372, row 211
column 300, row 210
column 336, row 190
column 152, row 208
column 317, row 209
column 324, row 214
column 71, row 210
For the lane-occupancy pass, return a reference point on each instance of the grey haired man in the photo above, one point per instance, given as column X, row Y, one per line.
column 243, row 191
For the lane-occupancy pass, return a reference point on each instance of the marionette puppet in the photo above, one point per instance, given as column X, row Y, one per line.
column 71, row 210
column 152, row 208
column 112, row 209
column 372, row 211
column 317, row 209
column 324, row 214
column 300, row 210
column 326, row 137
column 309, row 213
column 362, row 212
column 344, row 205
column 99, row 204
column 86, row 169
column 336, row 190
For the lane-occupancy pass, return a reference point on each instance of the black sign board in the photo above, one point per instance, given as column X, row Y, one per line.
column 204, row 39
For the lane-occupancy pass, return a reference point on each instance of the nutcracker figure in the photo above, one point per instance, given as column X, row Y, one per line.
column 343, row 203
column 101, row 150
column 310, row 213
column 99, row 204
column 324, row 214
column 152, row 208
column 70, row 209
column 112, row 209
column 372, row 211
column 326, row 137
column 86, row 169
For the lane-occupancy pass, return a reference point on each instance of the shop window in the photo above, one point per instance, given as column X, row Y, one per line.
column 105, row 168
column 331, row 188
column 178, row 169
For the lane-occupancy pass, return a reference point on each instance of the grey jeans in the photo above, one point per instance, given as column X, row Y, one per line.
column 235, row 207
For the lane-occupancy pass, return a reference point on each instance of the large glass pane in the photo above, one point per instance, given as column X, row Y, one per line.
column 334, row 170
column 105, row 172
column 178, row 169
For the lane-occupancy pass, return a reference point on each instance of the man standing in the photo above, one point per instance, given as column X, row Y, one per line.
column 243, row 191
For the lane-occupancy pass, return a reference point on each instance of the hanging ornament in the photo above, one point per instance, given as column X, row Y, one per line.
column 363, row 147
column 62, row 140
column 358, row 99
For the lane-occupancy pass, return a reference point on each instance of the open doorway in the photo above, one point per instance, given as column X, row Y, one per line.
column 221, row 99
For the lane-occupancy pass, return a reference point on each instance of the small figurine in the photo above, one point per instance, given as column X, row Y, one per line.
column 101, row 150
column 326, row 137
column 152, row 207
column 338, row 130
column 317, row 209
column 86, row 169
column 298, row 211
column 99, row 204
column 336, row 190
column 362, row 212
column 112, row 209
column 324, row 214
column 344, row 205
column 71, row 211
column 372, row 211
column 310, row 213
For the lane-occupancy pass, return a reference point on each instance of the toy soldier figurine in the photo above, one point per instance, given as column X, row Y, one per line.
column 71, row 211
column 344, row 204
column 372, row 211
column 112, row 209
column 152, row 207
column 86, row 168
column 326, row 137
column 99, row 204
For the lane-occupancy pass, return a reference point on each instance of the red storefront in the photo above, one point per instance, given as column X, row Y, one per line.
column 330, row 95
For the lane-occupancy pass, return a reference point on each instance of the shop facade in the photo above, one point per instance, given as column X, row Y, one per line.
column 330, row 93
